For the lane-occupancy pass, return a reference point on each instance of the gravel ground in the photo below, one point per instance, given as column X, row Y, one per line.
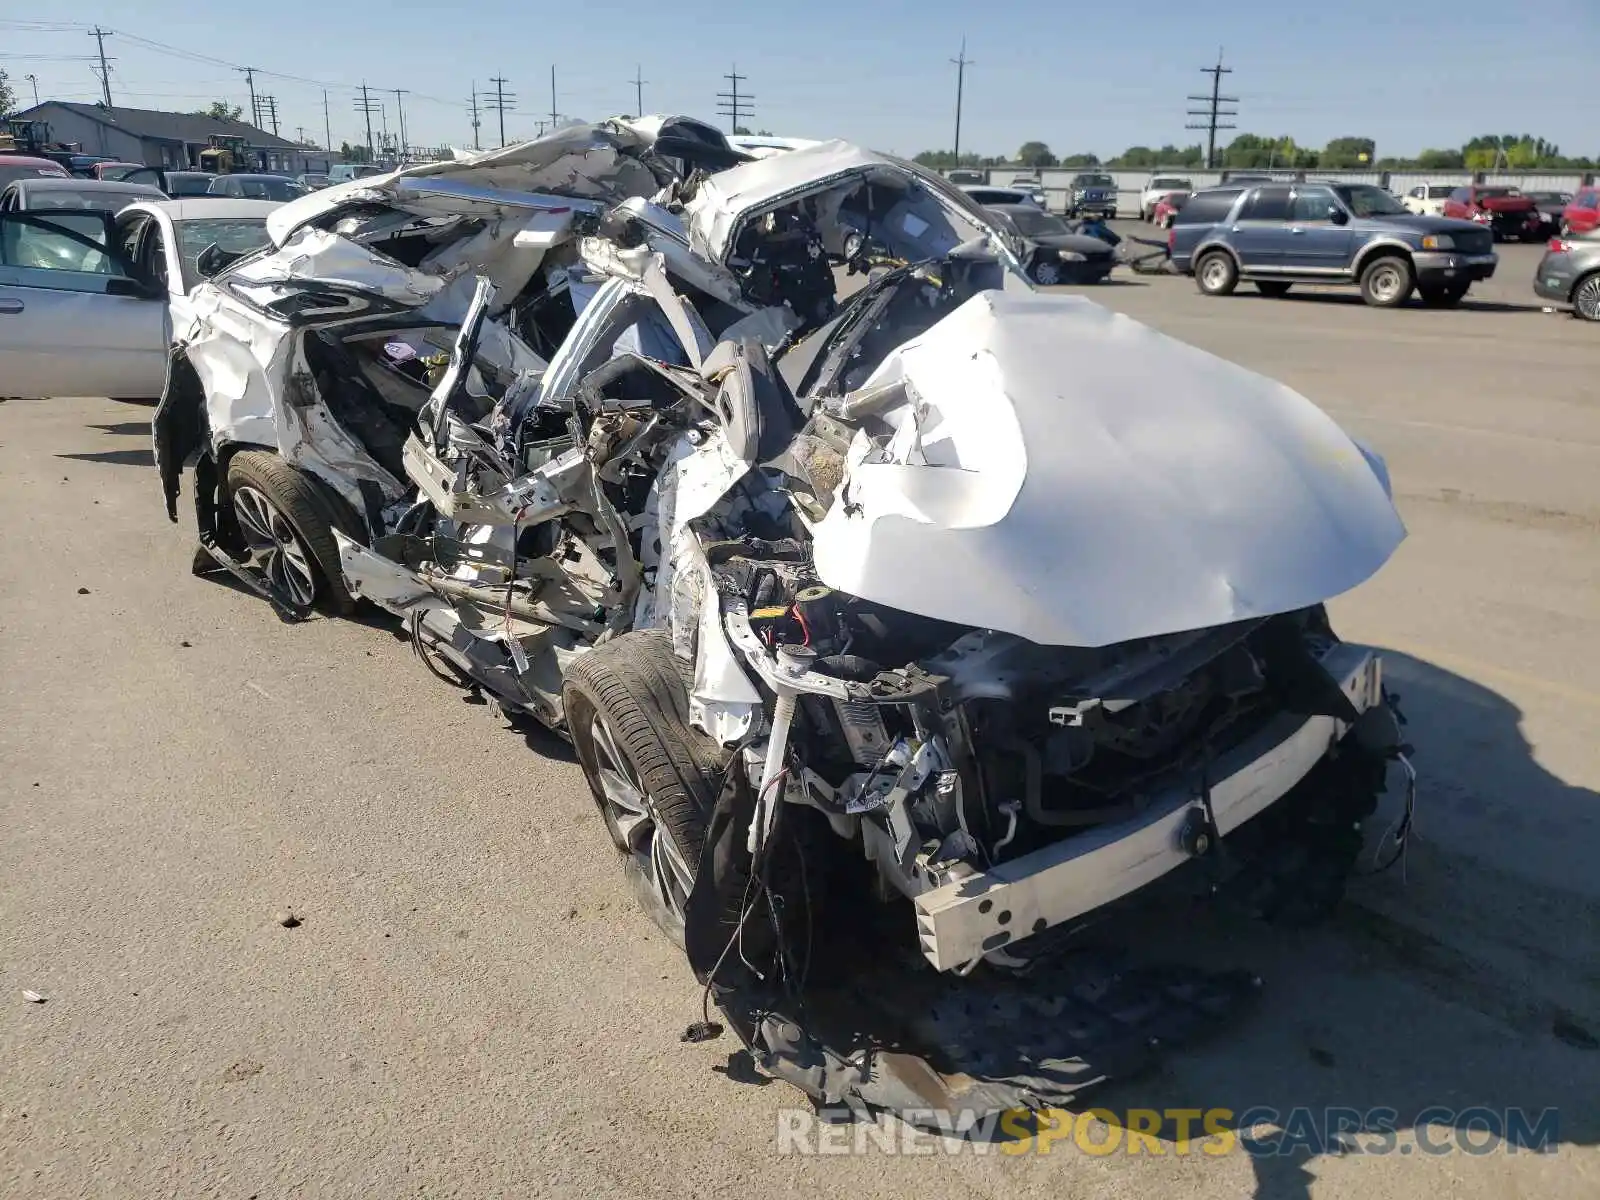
column 473, row 1006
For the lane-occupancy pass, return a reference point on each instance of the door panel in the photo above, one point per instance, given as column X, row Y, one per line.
column 72, row 321
column 1260, row 235
column 1315, row 243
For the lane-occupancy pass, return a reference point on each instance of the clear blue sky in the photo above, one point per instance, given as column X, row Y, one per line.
column 1080, row 76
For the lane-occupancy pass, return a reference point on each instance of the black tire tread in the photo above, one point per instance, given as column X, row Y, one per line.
column 313, row 512
column 635, row 682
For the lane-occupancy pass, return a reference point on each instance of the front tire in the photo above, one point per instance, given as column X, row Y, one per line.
column 650, row 773
column 1386, row 281
column 1216, row 274
column 286, row 520
column 1047, row 272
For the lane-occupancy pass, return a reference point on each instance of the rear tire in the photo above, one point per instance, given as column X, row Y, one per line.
column 1272, row 289
column 1586, row 297
column 1216, row 273
column 1386, row 281
column 652, row 776
column 287, row 520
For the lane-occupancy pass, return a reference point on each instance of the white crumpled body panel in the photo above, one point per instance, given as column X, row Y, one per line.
column 1073, row 477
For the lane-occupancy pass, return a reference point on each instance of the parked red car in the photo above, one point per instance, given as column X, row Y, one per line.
column 22, row 166
column 1583, row 214
column 1167, row 208
column 1505, row 210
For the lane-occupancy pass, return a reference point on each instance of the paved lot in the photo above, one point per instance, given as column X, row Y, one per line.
column 474, row 1007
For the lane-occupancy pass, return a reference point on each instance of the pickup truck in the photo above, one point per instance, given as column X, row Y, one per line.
column 1158, row 189
column 1275, row 235
column 1092, row 193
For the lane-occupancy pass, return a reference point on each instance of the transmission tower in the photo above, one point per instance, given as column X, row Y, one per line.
column 1214, row 112
column 737, row 106
column 366, row 106
column 472, row 107
column 502, row 103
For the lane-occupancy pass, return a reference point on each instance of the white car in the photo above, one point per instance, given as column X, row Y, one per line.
column 946, row 599
column 94, row 301
column 1156, row 188
column 1427, row 199
column 987, row 194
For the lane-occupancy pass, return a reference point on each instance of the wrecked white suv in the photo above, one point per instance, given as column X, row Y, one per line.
column 898, row 633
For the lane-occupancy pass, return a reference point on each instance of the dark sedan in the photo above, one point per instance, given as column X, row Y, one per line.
column 1569, row 273
column 1049, row 249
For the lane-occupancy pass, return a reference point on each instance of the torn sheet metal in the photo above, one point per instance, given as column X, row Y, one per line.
column 597, row 162
column 930, row 221
column 1068, row 475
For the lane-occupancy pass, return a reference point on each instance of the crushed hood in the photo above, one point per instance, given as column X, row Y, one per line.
column 599, row 162
column 1065, row 474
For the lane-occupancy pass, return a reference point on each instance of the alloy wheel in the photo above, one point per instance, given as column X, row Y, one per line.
column 1047, row 274
column 636, row 827
column 1586, row 300
column 274, row 545
column 1215, row 273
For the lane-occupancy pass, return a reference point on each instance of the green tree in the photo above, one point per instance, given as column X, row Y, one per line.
column 220, row 110
column 1137, row 156
column 1344, row 153
column 1035, row 154
column 943, row 160
column 8, row 98
column 1441, row 160
column 1080, row 160
column 355, row 154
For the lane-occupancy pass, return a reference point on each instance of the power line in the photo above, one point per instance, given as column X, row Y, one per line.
column 366, row 106
column 1213, row 116
column 99, row 35
column 502, row 102
column 962, row 62
column 732, row 104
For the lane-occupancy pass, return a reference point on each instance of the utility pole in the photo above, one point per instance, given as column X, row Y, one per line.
column 34, row 79
column 99, row 35
column 250, row 80
column 962, row 62
column 552, row 97
column 399, row 103
column 732, row 104
column 474, row 103
column 503, row 100
column 638, row 90
column 327, row 123
column 1215, row 112
column 269, row 110
column 367, row 106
